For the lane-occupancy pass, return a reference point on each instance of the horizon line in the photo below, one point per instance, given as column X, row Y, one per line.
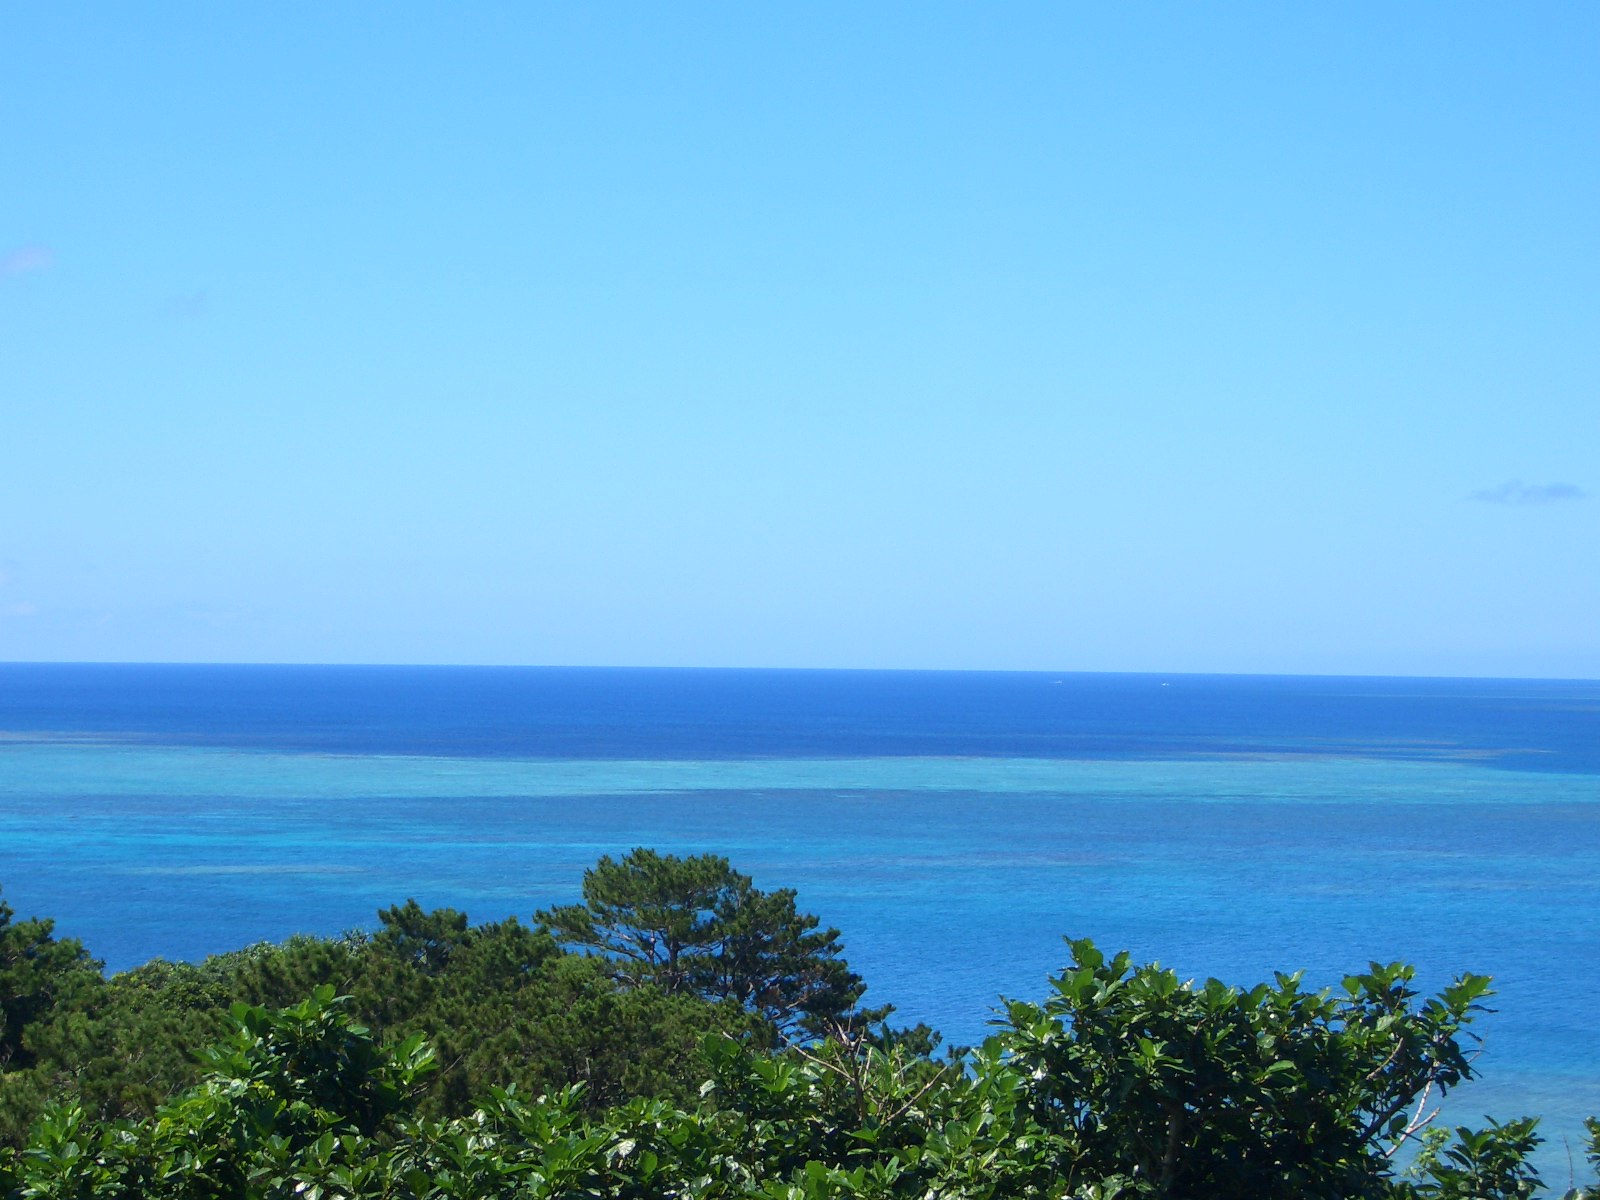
column 709, row 668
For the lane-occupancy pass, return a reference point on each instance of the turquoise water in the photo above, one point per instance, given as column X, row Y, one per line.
column 952, row 876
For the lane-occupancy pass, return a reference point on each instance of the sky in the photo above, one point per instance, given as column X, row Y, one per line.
column 1220, row 338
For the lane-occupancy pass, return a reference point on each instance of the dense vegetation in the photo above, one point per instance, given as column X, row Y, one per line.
column 682, row 1034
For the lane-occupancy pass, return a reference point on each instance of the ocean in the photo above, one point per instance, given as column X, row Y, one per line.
column 953, row 826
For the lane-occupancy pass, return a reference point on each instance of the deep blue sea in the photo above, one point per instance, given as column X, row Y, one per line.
column 954, row 826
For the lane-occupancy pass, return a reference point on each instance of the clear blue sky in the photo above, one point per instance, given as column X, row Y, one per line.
column 1226, row 337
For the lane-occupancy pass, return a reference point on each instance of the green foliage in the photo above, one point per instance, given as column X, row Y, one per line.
column 304, row 1102
column 1480, row 1164
column 425, row 940
column 501, row 1002
column 312, row 1058
column 37, row 973
column 696, row 925
column 1202, row 1090
column 294, row 1100
column 1592, row 1155
column 548, row 1075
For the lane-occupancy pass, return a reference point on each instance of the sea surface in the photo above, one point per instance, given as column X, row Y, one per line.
column 953, row 826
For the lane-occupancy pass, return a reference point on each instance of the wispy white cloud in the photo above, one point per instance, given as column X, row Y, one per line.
column 1517, row 492
column 22, row 259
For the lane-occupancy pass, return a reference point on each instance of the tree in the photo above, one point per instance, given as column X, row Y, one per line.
column 696, row 925
column 37, row 972
column 426, row 939
column 1198, row 1090
column 1124, row 1084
